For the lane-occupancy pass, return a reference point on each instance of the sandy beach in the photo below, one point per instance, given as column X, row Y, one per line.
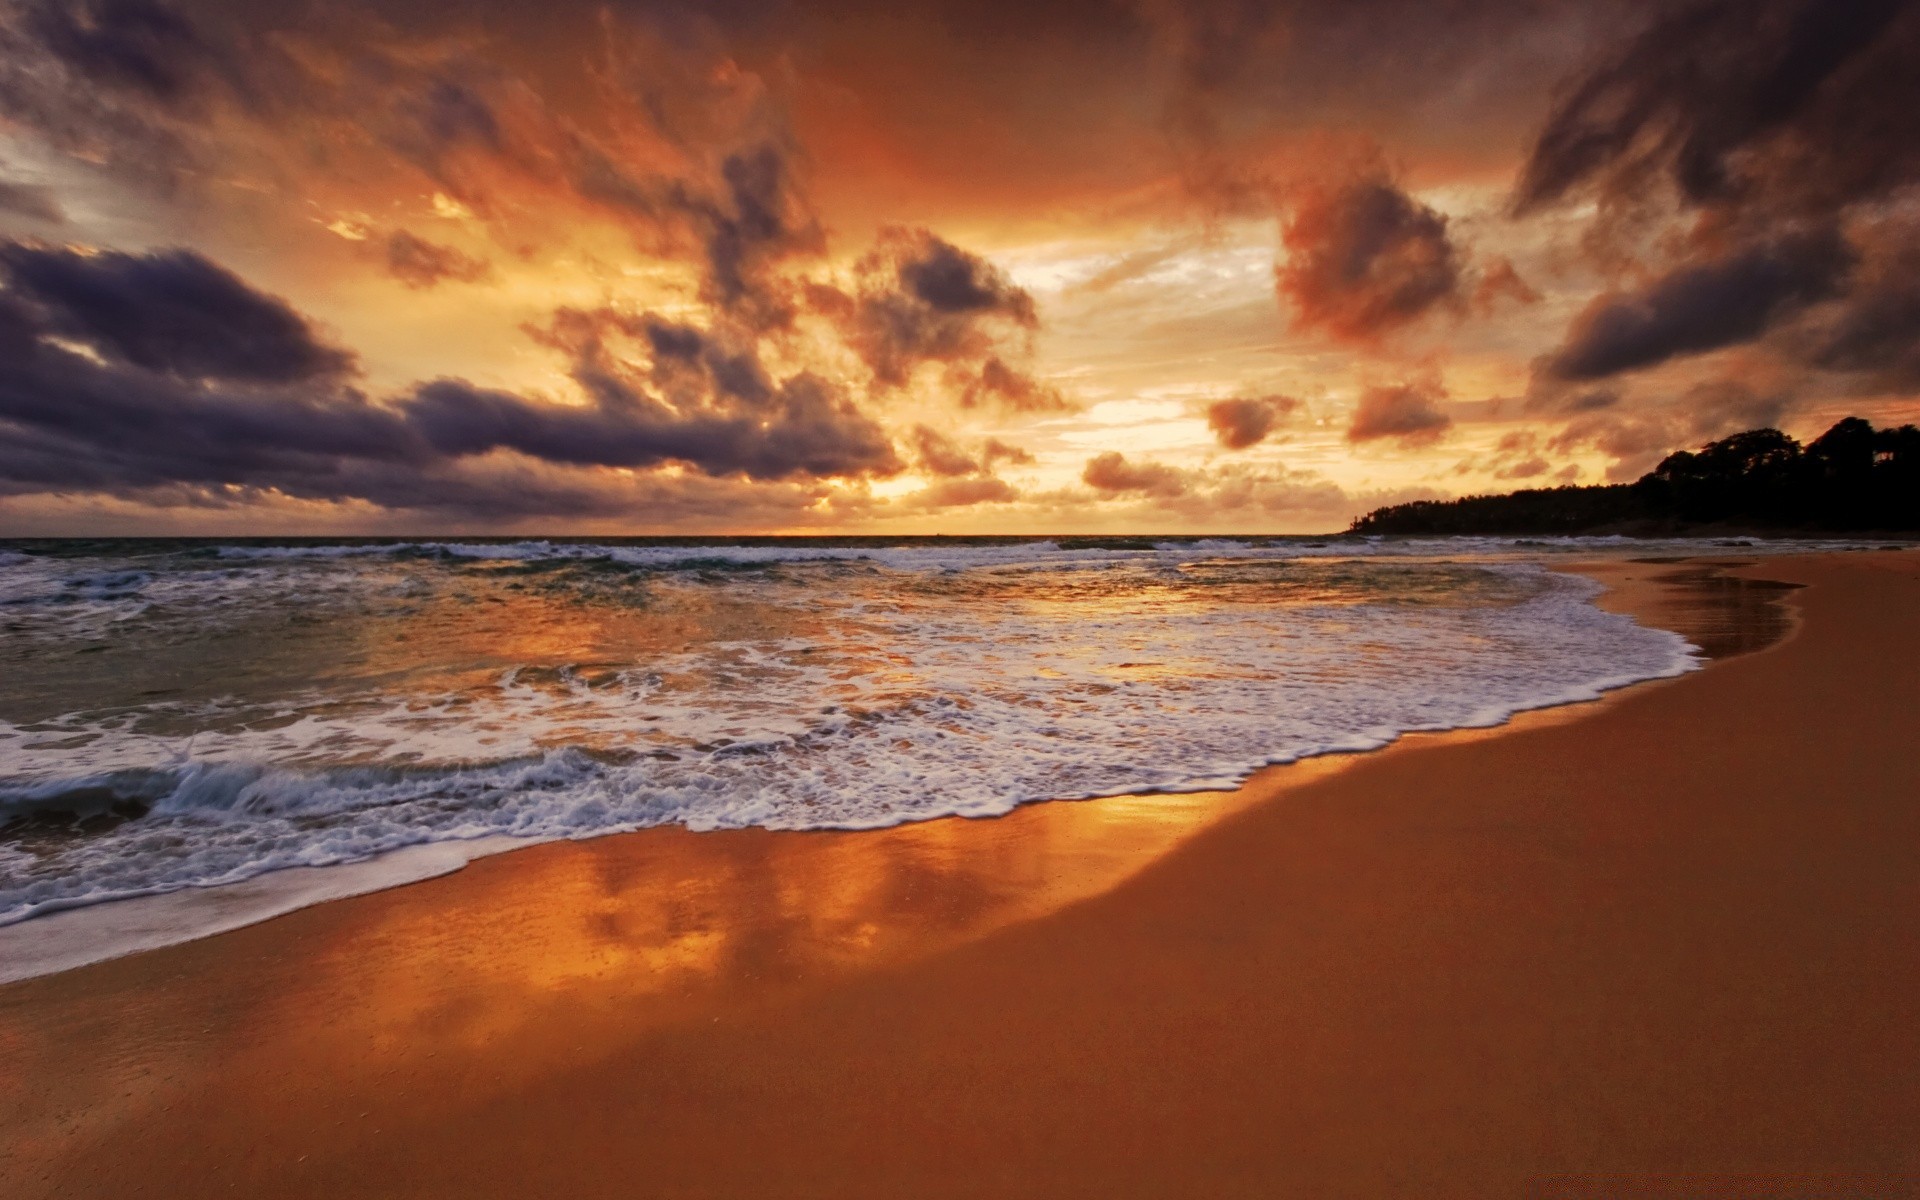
column 1666, row 944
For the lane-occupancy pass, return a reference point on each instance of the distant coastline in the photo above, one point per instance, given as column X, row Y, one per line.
column 1853, row 478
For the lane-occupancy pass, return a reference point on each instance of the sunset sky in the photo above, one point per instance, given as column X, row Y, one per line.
column 326, row 266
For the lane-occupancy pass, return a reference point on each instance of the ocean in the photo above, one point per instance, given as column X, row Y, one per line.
column 184, row 714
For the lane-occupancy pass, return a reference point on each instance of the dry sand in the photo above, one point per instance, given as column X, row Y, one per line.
column 1663, row 945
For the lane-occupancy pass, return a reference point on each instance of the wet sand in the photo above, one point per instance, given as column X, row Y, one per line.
column 1667, row 944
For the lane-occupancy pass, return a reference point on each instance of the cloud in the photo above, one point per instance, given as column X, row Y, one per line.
column 918, row 300
column 1111, row 472
column 1268, row 492
column 1526, row 468
column 1246, row 421
column 1131, row 266
column 1784, row 104
column 1703, row 306
column 1408, row 412
column 962, row 478
column 133, row 45
column 996, row 451
column 419, row 263
column 1635, row 441
column 1365, row 259
column 1773, row 125
column 171, row 311
column 921, row 299
column 1875, row 331
column 30, row 200
column 807, row 430
column 430, row 123
column 1719, row 407
column 758, row 219
column 1500, row 281
column 960, row 493
column 994, row 382
column 939, row 455
column 129, row 85
column 134, row 374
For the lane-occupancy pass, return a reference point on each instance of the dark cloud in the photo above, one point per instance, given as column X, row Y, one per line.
column 1246, row 421
column 1638, row 431
column 662, row 391
column 921, row 299
column 1876, row 331
column 1703, row 306
column 136, row 45
column 1365, row 259
column 1720, row 407
column 419, row 263
column 1408, row 412
column 805, row 430
column 691, row 152
column 170, row 311
column 994, row 382
column 446, row 115
column 918, row 301
column 123, row 84
column 1785, row 104
column 745, row 222
column 30, row 200
column 938, row 454
column 1111, row 472
column 189, row 378
column 1771, row 126
column 688, row 365
column 435, row 121
column 758, row 219
column 76, row 424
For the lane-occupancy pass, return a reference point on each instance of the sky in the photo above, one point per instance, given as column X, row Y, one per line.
column 1000, row 266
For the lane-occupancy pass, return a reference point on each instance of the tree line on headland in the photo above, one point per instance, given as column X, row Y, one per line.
column 1852, row 477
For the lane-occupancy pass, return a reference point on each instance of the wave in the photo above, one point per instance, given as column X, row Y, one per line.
column 904, row 706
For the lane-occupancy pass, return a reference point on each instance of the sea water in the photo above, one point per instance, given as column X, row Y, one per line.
column 179, row 714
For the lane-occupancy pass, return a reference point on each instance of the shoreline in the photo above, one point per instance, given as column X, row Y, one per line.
column 85, row 934
column 1667, row 935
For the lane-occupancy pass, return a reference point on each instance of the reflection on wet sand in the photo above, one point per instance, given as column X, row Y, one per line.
column 571, row 950
column 576, row 947
column 1722, row 613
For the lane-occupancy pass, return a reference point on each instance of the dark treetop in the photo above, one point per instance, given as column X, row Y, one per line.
column 1852, row 477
